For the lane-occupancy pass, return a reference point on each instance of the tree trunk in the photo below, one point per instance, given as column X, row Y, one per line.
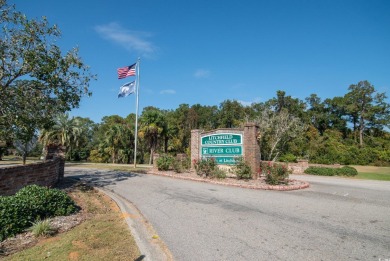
column 151, row 156
column 24, row 158
column 113, row 156
column 361, row 129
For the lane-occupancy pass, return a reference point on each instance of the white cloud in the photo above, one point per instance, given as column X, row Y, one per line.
column 130, row 40
column 202, row 73
column 249, row 103
column 168, row 91
column 245, row 103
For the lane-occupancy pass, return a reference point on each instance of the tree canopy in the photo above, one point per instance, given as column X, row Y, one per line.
column 37, row 80
column 322, row 131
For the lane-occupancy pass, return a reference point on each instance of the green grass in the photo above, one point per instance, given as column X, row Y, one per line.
column 17, row 160
column 141, row 168
column 373, row 176
column 373, row 172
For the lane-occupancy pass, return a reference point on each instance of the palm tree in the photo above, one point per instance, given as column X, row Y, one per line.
column 113, row 140
column 153, row 127
column 65, row 132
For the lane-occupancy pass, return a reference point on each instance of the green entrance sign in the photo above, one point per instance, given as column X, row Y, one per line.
column 222, row 139
column 225, row 148
column 222, row 150
column 226, row 160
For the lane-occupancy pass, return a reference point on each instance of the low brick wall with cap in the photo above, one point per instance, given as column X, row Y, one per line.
column 300, row 166
column 47, row 173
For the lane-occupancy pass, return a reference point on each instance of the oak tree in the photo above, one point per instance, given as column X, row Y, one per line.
column 37, row 80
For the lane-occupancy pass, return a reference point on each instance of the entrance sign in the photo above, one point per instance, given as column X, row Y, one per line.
column 222, row 139
column 225, row 148
column 225, row 160
column 222, row 151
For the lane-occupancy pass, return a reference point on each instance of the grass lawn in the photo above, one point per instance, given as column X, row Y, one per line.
column 104, row 235
column 373, row 172
column 13, row 160
column 140, row 168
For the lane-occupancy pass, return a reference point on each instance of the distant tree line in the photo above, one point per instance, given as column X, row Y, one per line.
column 352, row 129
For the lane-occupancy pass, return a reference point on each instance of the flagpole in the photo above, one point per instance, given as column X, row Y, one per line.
column 136, row 114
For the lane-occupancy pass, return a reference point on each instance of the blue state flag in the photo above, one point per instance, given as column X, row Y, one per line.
column 126, row 89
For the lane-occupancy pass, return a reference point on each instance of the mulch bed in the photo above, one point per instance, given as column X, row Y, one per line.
column 250, row 184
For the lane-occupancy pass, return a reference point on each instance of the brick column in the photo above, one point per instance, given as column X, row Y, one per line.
column 53, row 152
column 252, row 148
column 195, row 140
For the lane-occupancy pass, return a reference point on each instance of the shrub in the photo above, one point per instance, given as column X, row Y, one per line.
column 205, row 167
column 31, row 203
column 320, row 171
column 323, row 171
column 243, row 170
column 346, row 171
column 47, row 202
column 288, row 158
column 179, row 165
column 275, row 173
column 218, row 173
column 164, row 162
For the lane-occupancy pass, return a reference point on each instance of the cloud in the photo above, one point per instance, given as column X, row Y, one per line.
column 133, row 41
column 168, row 91
column 249, row 103
column 245, row 103
column 202, row 73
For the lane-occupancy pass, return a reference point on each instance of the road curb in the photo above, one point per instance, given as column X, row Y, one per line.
column 150, row 245
column 302, row 185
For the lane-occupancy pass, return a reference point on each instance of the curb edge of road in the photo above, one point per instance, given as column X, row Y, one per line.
column 303, row 185
column 150, row 245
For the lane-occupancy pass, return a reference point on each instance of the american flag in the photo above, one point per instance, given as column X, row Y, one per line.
column 126, row 71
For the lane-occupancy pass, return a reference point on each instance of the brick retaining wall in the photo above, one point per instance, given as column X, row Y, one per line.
column 46, row 173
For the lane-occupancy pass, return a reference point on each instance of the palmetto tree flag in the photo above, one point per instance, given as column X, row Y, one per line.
column 126, row 71
column 126, row 89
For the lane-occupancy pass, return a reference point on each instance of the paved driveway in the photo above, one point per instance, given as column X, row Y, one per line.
column 335, row 219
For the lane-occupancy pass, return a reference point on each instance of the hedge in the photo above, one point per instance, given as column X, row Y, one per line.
column 29, row 204
column 322, row 171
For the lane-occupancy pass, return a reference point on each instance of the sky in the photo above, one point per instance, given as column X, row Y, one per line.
column 208, row 51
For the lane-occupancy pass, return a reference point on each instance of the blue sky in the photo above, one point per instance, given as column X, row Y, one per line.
column 209, row 51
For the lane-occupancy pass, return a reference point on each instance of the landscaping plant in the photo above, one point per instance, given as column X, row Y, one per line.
column 275, row 173
column 29, row 204
column 207, row 167
column 164, row 162
column 42, row 228
column 243, row 170
column 180, row 165
column 323, row 171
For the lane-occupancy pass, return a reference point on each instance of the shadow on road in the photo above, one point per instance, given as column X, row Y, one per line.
column 99, row 178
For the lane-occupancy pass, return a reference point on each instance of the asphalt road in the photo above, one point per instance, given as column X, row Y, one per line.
column 334, row 219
